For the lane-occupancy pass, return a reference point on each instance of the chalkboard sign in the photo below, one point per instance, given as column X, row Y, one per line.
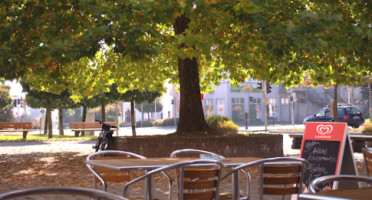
column 322, row 156
column 326, row 147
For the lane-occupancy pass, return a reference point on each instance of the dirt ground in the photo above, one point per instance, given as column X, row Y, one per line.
column 30, row 164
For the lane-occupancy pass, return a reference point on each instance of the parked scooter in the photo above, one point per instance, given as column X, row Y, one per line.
column 105, row 137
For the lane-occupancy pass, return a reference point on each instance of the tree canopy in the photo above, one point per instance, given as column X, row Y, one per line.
column 5, row 98
column 88, row 45
column 6, row 106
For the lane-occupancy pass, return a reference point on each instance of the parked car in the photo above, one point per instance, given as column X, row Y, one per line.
column 346, row 113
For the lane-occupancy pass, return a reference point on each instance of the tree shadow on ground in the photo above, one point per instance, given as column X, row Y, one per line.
column 21, row 143
column 44, row 169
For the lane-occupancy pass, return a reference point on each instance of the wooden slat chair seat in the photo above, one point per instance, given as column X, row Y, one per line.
column 105, row 175
column 281, row 179
column 198, row 153
column 367, row 155
column 112, row 175
column 199, row 183
column 277, row 176
column 194, row 181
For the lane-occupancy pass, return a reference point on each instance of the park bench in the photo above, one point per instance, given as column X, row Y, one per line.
column 24, row 127
column 78, row 127
column 358, row 140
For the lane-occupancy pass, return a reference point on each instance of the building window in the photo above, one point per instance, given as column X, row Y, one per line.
column 253, row 100
column 285, row 100
column 221, row 106
column 272, row 101
column 209, row 107
column 220, row 101
column 301, row 100
column 237, row 100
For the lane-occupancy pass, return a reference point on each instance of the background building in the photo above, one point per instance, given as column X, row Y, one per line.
column 284, row 105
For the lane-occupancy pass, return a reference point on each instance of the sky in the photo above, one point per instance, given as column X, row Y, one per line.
column 15, row 88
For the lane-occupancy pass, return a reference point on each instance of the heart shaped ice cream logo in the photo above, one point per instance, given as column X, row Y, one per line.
column 324, row 129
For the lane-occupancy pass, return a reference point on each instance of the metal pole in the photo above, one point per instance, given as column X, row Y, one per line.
column 292, row 106
column 265, row 103
column 370, row 101
column 247, row 113
column 155, row 110
column 117, row 117
column 141, row 114
column 175, row 120
column 307, row 102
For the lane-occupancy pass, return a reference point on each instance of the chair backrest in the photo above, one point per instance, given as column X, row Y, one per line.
column 278, row 176
column 281, row 178
column 367, row 155
column 72, row 192
column 190, row 152
column 198, row 179
column 105, row 175
column 316, row 184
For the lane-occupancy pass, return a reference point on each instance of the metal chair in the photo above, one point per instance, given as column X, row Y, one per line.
column 367, row 155
column 202, row 182
column 315, row 185
column 188, row 152
column 74, row 193
column 198, row 152
column 105, row 175
column 278, row 176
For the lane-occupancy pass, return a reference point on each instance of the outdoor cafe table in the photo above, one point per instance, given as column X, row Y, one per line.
column 152, row 163
column 356, row 194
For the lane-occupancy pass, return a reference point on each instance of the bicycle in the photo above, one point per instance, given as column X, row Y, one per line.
column 105, row 137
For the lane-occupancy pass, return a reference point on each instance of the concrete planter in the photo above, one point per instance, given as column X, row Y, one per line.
column 230, row 146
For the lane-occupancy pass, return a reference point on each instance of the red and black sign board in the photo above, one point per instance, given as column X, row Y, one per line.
column 327, row 148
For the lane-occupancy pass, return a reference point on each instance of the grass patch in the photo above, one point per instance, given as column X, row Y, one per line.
column 45, row 137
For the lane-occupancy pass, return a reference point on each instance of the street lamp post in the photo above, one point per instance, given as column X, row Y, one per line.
column 370, row 101
column 42, row 111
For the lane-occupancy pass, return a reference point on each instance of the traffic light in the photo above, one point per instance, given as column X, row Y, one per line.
column 259, row 85
column 172, row 101
column 268, row 88
column 15, row 103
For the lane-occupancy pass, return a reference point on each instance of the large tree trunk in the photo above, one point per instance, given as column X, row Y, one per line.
column 49, row 119
column 335, row 104
column 191, row 111
column 103, row 112
column 46, row 123
column 133, row 118
column 84, row 117
column 60, row 120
